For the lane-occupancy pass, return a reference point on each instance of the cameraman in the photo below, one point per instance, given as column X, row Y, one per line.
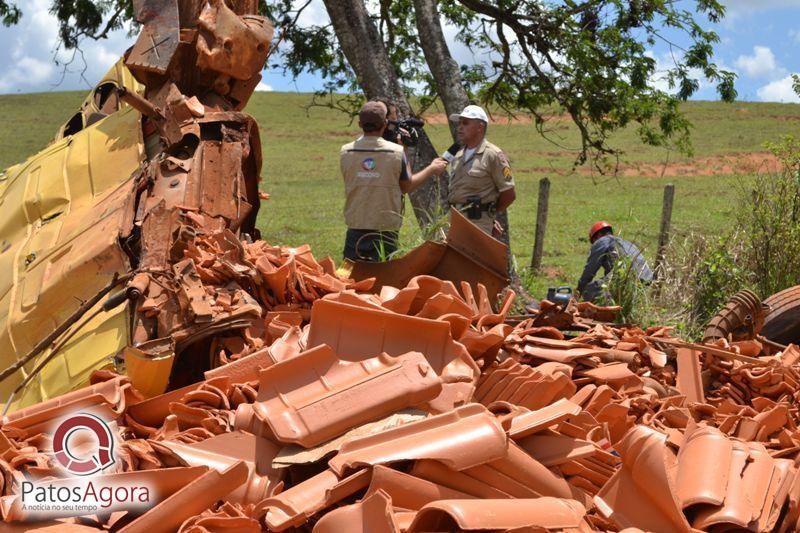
column 481, row 183
column 376, row 175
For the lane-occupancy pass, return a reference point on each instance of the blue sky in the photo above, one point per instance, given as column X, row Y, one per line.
column 760, row 40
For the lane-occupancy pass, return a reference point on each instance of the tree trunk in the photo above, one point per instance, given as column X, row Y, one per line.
column 442, row 65
column 362, row 46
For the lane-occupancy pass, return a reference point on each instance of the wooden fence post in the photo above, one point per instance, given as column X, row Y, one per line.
column 663, row 234
column 541, row 223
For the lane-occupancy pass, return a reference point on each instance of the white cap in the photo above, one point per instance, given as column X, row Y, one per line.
column 471, row 111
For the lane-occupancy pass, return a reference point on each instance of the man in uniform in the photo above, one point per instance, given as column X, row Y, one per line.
column 606, row 249
column 481, row 183
column 376, row 175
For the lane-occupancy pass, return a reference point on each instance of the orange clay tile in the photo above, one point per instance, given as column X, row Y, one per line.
column 562, row 356
column 397, row 300
column 297, row 504
column 342, row 327
column 747, row 490
column 222, row 451
column 153, row 411
column 465, row 437
column 705, row 460
column 373, row 514
column 560, row 344
column 438, row 473
column 641, row 493
column 532, row 422
column 553, row 450
column 224, row 517
column 520, row 476
column 114, row 396
column 244, row 369
column 539, row 514
column 614, row 374
column 315, row 396
column 190, row 500
column 522, row 385
column 784, row 476
column 408, row 491
column 689, row 381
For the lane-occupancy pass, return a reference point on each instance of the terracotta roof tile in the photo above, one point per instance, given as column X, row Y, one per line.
column 465, row 437
column 548, row 514
column 316, row 396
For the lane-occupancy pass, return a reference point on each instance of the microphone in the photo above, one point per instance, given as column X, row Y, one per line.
column 451, row 152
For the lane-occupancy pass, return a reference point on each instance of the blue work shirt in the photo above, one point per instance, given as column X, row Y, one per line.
column 604, row 253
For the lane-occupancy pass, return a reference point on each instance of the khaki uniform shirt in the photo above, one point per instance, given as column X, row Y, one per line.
column 486, row 174
column 371, row 168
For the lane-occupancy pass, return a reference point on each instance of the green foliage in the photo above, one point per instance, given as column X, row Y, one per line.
column 770, row 229
column 759, row 251
column 716, row 276
column 787, row 150
column 94, row 19
column 591, row 58
column 9, row 13
column 624, row 289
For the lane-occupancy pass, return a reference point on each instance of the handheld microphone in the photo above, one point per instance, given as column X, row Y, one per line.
column 451, row 152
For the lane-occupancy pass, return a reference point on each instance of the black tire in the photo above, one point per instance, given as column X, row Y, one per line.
column 783, row 320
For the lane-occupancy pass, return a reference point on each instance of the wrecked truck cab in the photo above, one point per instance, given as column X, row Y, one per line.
column 102, row 101
column 158, row 153
column 64, row 211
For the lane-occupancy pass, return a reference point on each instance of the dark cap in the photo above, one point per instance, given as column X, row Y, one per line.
column 372, row 116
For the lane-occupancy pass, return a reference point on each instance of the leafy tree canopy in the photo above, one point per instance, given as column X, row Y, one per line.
column 588, row 59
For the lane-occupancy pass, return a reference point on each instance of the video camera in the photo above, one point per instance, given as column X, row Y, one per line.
column 408, row 129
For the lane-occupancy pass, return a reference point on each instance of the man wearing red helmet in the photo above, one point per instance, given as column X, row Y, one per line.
column 606, row 249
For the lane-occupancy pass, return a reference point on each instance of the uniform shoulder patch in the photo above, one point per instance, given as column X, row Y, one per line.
column 505, row 165
column 501, row 156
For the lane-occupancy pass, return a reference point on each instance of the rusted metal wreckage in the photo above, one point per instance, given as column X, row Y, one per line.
column 258, row 389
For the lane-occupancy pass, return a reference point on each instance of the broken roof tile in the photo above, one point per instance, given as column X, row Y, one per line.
column 548, row 514
column 373, row 514
column 531, row 422
column 465, row 437
column 297, row 504
column 408, row 491
column 190, row 500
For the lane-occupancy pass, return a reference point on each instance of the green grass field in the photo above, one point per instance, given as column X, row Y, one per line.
column 301, row 146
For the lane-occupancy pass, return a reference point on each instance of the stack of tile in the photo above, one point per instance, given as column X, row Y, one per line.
column 420, row 409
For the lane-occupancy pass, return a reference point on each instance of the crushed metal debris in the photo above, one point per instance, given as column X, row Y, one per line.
column 255, row 388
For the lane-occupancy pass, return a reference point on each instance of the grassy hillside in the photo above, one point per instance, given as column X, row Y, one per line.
column 300, row 148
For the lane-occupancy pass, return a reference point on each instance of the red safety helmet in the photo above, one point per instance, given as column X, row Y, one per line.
column 596, row 227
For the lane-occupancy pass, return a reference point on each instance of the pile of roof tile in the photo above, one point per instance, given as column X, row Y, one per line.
column 419, row 408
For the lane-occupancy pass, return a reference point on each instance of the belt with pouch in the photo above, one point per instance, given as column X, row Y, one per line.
column 475, row 209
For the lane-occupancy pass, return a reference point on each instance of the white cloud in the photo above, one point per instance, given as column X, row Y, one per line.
column 26, row 72
column 779, row 91
column 794, row 35
column 667, row 61
column 758, row 5
column 761, row 65
column 314, row 14
column 34, row 62
column 263, row 87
